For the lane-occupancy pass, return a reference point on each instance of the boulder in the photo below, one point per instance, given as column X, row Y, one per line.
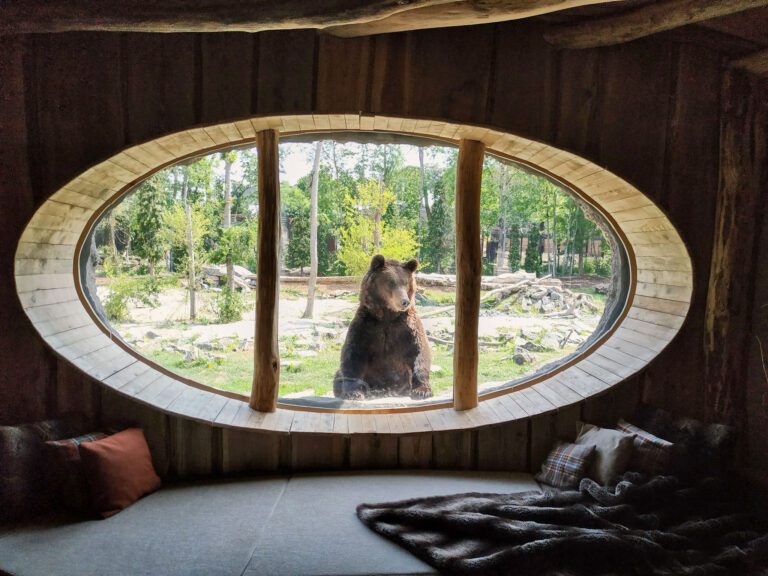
column 522, row 356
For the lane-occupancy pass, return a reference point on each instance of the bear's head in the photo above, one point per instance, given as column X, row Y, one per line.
column 388, row 286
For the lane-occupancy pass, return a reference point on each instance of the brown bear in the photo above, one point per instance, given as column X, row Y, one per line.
column 386, row 352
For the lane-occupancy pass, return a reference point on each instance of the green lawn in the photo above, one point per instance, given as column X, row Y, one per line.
column 235, row 372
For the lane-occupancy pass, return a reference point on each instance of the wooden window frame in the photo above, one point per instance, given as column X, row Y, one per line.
column 50, row 286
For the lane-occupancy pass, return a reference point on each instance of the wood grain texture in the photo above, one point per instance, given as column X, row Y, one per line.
column 266, row 368
column 25, row 359
column 455, row 73
column 461, row 13
column 468, row 269
column 741, row 200
column 644, row 21
column 33, row 16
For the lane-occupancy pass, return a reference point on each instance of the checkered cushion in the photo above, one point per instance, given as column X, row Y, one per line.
column 651, row 454
column 67, row 470
column 566, row 465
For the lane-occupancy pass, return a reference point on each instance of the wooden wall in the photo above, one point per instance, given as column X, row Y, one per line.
column 648, row 110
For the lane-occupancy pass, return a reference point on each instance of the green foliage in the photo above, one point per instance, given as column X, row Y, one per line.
column 174, row 232
column 130, row 289
column 514, row 248
column 603, row 266
column 532, row 261
column 149, row 205
column 297, row 254
column 229, row 306
column 437, row 245
column 364, row 223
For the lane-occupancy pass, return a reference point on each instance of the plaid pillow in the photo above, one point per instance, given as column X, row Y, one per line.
column 566, row 465
column 69, row 478
column 651, row 454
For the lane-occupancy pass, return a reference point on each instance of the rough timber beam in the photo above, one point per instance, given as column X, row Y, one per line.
column 644, row 21
column 45, row 16
column 463, row 13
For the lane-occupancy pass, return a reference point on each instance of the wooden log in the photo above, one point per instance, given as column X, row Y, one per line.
column 741, row 199
column 463, row 13
column 644, row 21
column 468, row 271
column 41, row 16
column 266, row 368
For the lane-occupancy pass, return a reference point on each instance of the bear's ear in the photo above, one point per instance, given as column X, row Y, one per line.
column 377, row 262
column 411, row 265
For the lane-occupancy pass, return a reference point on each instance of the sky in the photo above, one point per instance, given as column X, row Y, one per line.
column 297, row 160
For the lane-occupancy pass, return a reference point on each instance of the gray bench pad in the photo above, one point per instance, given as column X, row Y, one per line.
column 303, row 524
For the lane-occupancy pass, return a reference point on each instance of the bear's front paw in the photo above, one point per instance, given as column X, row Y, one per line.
column 421, row 392
column 353, row 395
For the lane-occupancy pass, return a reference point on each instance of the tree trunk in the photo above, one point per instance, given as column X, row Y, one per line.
column 227, row 217
column 227, row 220
column 190, row 247
column 377, row 218
column 112, row 234
column 554, row 232
column 309, row 311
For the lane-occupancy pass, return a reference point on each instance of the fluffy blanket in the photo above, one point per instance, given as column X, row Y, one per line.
column 655, row 527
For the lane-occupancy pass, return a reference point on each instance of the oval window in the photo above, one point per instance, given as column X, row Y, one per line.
column 367, row 245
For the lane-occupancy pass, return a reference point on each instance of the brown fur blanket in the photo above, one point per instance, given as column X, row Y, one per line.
column 638, row 528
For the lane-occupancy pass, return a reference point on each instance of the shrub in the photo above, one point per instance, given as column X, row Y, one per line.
column 603, row 266
column 126, row 289
column 229, row 306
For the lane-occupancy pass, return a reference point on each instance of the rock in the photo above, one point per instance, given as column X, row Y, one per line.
column 532, row 347
column 191, row 355
column 550, row 342
column 522, row 356
column 219, row 358
column 245, row 345
column 328, row 333
column 435, row 369
column 555, row 296
column 151, row 335
column 207, row 346
column 526, row 334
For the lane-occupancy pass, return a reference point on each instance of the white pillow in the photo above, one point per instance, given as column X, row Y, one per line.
column 613, row 449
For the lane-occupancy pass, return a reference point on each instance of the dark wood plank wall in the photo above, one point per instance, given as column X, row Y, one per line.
column 648, row 111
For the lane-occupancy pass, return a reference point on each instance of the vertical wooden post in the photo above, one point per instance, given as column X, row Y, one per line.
column 468, row 270
column 266, row 366
column 741, row 198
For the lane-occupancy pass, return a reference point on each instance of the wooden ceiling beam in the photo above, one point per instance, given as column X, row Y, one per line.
column 47, row 16
column 644, row 21
column 458, row 13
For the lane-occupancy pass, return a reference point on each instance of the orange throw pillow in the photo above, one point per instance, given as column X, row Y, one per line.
column 119, row 470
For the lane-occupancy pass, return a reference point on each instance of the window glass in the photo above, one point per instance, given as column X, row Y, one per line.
column 173, row 271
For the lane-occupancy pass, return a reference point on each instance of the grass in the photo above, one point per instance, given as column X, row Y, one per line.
column 235, row 372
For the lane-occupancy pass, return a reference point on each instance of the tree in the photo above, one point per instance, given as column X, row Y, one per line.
column 150, row 205
column 309, row 311
column 513, row 259
column 438, row 232
column 229, row 159
column 364, row 225
column 532, row 261
column 297, row 252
